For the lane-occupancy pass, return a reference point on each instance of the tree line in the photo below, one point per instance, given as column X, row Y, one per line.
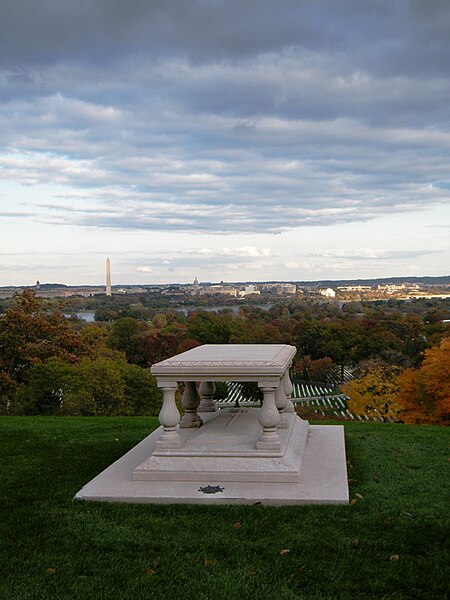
column 53, row 365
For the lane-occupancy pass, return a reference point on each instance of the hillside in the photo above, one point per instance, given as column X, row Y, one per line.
column 390, row 543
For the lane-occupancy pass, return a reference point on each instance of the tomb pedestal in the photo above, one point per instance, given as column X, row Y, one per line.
column 263, row 455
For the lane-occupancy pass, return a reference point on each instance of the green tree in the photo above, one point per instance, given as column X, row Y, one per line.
column 127, row 335
column 98, row 389
column 140, row 390
column 211, row 328
column 105, row 313
column 47, row 386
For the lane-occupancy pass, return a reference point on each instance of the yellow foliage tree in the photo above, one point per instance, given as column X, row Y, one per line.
column 374, row 393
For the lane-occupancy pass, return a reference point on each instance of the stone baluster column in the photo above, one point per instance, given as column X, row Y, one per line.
column 288, row 387
column 169, row 417
column 190, row 402
column 207, row 389
column 280, row 401
column 269, row 418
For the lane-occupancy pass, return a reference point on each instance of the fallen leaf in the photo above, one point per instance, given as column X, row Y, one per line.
column 155, row 564
column 355, row 542
column 395, row 557
column 354, row 501
column 237, row 525
column 50, row 571
column 351, row 481
column 252, row 573
column 149, row 571
column 408, row 515
column 388, row 520
column 359, row 496
column 284, row 551
column 82, row 577
column 207, row 562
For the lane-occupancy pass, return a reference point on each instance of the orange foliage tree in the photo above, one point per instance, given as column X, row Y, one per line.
column 424, row 393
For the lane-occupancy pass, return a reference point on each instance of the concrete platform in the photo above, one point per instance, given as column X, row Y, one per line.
column 224, row 449
column 310, row 469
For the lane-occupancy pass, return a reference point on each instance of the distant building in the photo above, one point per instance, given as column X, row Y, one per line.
column 249, row 290
column 216, row 290
column 286, row 288
column 390, row 288
column 355, row 288
column 280, row 289
column 195, row 287
column 328, row 293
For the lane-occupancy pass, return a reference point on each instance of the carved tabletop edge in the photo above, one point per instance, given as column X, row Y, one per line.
column 284, row 356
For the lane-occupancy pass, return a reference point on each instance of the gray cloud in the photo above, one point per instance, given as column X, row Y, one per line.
column 213, row 116
column 374, row 254
column 412, row 34
column 10, row 214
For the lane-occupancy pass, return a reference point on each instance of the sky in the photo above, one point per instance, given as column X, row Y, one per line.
column 224, row 140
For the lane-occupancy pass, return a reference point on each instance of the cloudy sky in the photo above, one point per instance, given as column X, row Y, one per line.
column 255, row 140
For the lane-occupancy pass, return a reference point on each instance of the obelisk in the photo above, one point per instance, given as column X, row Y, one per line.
column 108, row 277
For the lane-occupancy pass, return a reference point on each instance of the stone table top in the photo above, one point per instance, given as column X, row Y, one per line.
column 222, row 362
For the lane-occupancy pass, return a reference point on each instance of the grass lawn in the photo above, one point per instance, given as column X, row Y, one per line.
column 391, row 543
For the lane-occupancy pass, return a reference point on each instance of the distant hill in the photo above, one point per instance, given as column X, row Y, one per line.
column 53, row 286
column 425, row 280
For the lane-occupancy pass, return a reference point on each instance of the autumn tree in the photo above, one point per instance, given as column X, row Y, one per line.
column 321, row 369
column 30, row 332
column 374, row 392
column 424, row 393
column 159, row 346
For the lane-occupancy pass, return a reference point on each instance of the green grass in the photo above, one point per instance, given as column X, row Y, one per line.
column 391, row 544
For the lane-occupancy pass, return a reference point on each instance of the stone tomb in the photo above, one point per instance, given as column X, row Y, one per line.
column 233, row 456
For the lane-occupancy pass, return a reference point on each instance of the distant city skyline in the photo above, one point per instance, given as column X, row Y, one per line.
column 267, row 140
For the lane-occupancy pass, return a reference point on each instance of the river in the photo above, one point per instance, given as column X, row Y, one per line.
column 234, row 307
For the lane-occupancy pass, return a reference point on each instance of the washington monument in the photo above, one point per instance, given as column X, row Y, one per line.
column 108, row 277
